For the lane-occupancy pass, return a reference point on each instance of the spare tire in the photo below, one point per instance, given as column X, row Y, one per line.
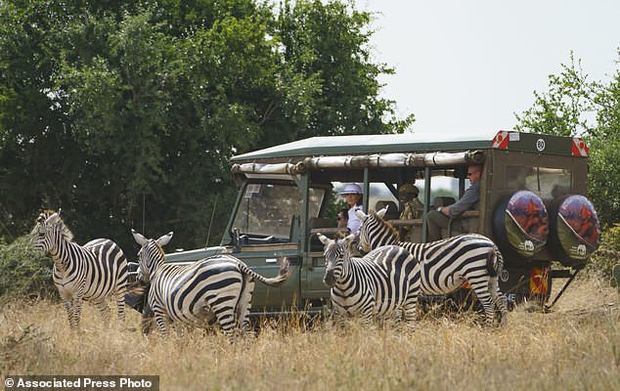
column 521, row 224
column 575, row 229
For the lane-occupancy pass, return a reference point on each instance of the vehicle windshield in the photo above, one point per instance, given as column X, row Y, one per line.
column 269, row 209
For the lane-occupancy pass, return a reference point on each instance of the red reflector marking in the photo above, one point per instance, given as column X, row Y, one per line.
column 579, row 147
column 500, row 140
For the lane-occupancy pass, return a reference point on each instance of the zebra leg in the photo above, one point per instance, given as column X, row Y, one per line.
column 146, row 324
column 68, row 304
column 481, row 288
column 244, row 304
column 77, row 312
column 120, row 305
column 147, row 319
column 160, row 319
column 338, row 315
column 368, row 313
column 104, row 309
column 410, row 308
column 224, row 310
column 501, row 304
column 498, row 300
column 161, row 324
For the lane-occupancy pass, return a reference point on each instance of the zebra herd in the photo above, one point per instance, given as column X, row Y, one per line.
column 445, row 265
column 386, row 282
column 217, row 289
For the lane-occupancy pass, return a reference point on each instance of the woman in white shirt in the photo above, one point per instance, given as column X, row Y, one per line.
column 352, row 194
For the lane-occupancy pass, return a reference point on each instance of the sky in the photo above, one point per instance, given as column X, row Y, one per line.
column 468, row 66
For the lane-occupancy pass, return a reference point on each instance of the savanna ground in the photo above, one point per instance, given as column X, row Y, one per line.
column 577, row 346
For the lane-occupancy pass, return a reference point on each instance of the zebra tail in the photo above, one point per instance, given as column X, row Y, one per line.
column 137, row 288
column 494, row 266
column 282, row 276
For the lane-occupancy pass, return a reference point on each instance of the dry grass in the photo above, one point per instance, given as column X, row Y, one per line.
column 575, row 347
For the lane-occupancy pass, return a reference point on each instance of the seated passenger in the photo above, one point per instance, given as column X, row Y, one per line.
column 412, row 206
column 440, row 218
column 352, row 194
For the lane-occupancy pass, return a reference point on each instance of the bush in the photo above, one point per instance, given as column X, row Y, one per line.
column 608, row 254
column 24, row 272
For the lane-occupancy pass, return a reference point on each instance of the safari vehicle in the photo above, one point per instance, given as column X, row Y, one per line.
column 532, row 205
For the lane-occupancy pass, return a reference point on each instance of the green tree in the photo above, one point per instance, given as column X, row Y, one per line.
column 575, row 106
column 327, row 43
column 126, row 115
column 562, row 110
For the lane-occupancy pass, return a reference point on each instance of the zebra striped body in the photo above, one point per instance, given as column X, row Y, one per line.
column 216, row 289
column 384, row 283
column 446, row 264
column 93, row 272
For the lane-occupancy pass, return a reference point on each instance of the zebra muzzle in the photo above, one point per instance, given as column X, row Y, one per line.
column 329, row 279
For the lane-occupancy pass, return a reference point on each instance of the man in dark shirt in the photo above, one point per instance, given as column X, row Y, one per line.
column 440, row 218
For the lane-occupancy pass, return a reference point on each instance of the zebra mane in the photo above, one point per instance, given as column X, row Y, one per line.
column 64, row 230
column 386, row 224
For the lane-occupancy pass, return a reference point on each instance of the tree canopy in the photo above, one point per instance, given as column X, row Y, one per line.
column 125, row 113
column 574, row 105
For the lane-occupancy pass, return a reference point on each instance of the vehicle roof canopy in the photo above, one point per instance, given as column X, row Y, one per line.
column 366, row 144
column 445, row 149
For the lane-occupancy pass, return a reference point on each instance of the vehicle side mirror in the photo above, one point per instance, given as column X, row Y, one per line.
column 236, row 240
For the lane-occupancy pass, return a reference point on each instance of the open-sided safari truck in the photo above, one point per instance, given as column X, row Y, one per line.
column 532, row 205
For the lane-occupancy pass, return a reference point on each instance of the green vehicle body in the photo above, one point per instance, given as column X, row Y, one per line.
column 302, row 170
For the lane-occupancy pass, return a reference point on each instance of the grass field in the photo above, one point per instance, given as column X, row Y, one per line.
column 577, row 346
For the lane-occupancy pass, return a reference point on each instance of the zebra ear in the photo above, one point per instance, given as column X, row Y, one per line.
column 141, row 240
column 324, row 239
column 383, row 211
column 361, row 215
column 52, row 219
column 165, row 239
column 350, row 238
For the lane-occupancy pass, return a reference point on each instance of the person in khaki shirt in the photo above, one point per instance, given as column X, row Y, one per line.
column 412, row 206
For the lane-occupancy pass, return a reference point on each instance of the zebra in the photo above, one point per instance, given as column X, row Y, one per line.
column 217, row 289
column 385, row 282
column 93, row 272
column 446, row 264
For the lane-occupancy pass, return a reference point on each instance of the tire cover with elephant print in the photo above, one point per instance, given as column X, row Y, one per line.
column 522, row 223
column 575, row 228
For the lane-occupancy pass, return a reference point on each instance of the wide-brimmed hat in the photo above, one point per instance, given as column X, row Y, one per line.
column 408, row 188
column 351, row 188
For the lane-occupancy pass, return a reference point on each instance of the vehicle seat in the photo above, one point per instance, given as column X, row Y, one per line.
column 443, row 201
column 392, row 212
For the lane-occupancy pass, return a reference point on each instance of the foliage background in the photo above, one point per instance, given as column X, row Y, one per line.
column 125, row 114
column 573, row 105
column 23, row 272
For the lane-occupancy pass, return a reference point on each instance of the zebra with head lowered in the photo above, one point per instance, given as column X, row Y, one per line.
column 93, row 272
column 215, row 289
column 383, row 283
column 446, row 264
